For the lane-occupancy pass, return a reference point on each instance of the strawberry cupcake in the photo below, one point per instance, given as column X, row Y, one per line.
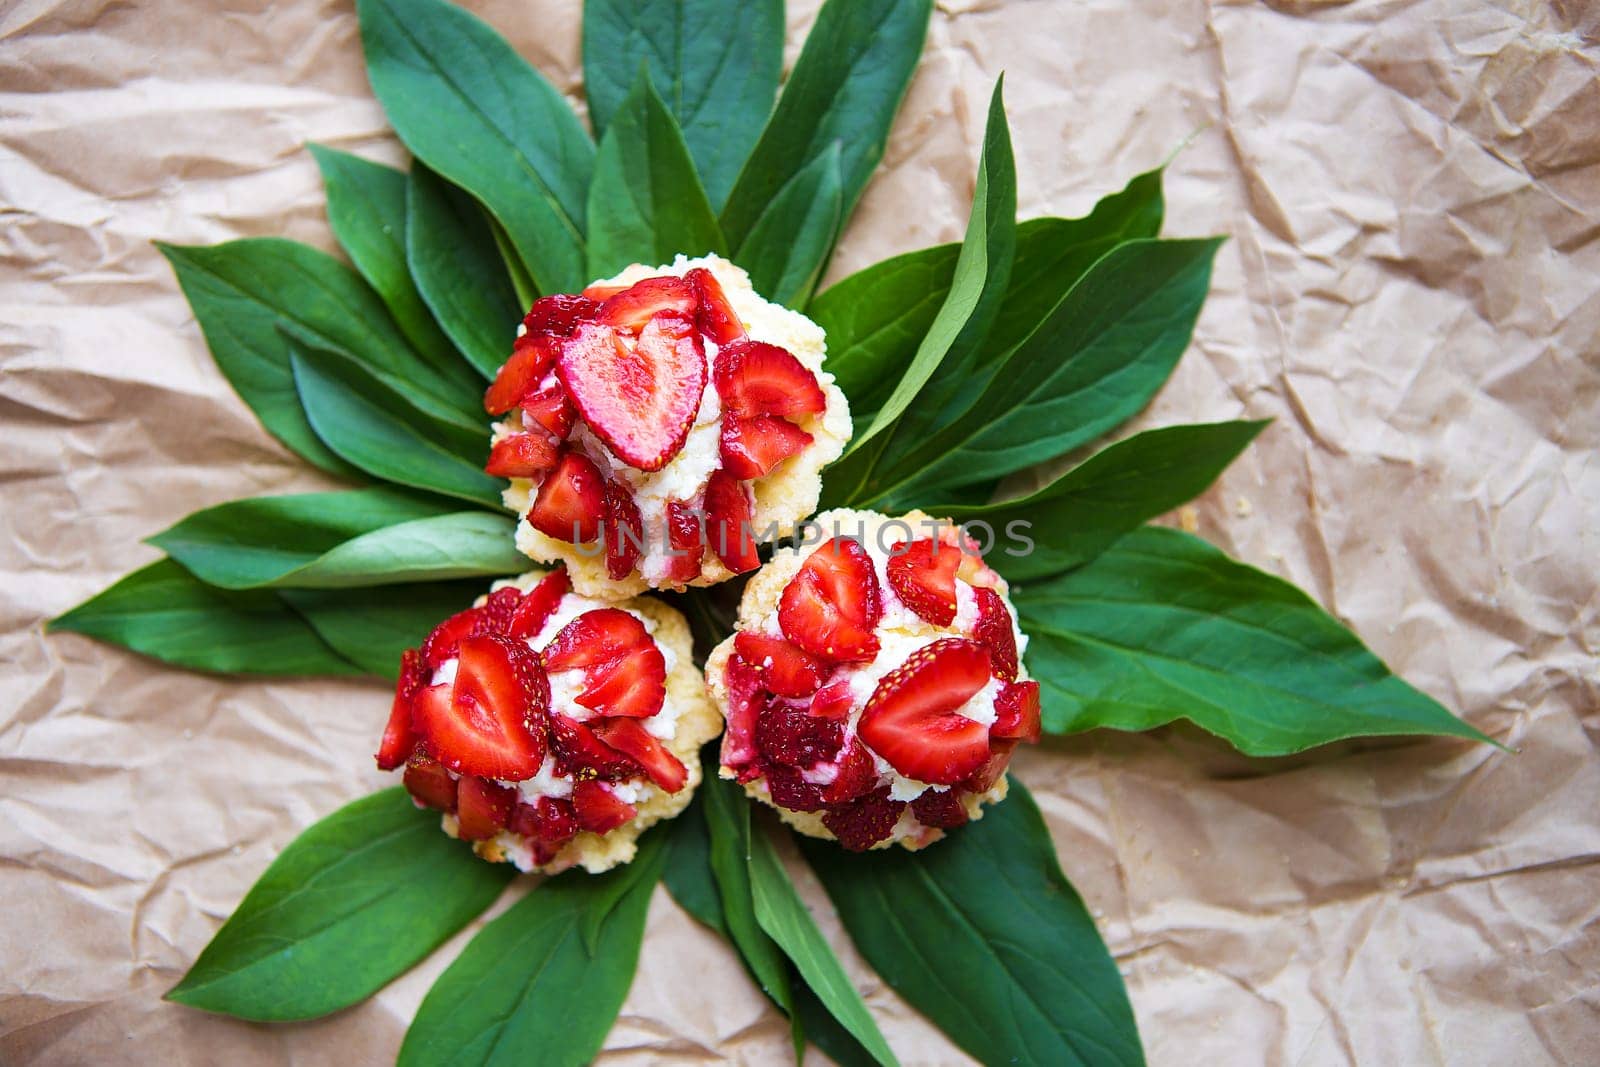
column 550, row 728
column 660, row 424
column 874, row 688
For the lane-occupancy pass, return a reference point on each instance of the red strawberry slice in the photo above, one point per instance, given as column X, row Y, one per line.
column 631, row 739
column 550, row 820
column 635, row 306
column 559, row 314
column 993, row 631
column 521, row 455
column 687, row 541
column 497, row 612
column 579, row 753
column 399, row 739
column 755, row 378
column 622, row 532
column 539, row 604
column 441, row 643
column 911, row 718
column 785, row 668
column 1018, row 712
column 602, row 293
column 729, row 513
column 491, row 721
column 639, row 398
column 863, row 823
column 858, row 774
column 788, row 735
column 520, row 375
column 429, row 783
column 634, row 687
column 831, row 606
column 714, row 316
column 747, row 701
column 984, row 778
column 549, row 410
column 941, row 810
column 598, row 809
column 624, row 672
column 788, row 789
column 833, row 701
column 483, row 808
column 752, row 446
column 571, row 500
column 923, row 575
column 596, row 638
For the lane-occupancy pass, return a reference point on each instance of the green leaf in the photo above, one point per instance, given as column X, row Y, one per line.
column 687, row 874
column 525, row 990
column 1094, row 362
column 371, row 626
column 165, row 612
column 783, row 916
column 521, row 280
column 984, row 935
column 716, row 62
column 451, row 251
column 646, row 204
column 844, row 90
column 377, row 430
column 334, row 540
column 788, row 246
column 1162, row 626
column 367, row 209
column 1075, row 517
column 467, row 105
column 728, row 817
column 350, row 905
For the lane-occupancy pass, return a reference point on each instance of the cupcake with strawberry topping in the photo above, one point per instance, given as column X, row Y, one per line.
column 874, row 689
column 551, row 729
column 656, row 425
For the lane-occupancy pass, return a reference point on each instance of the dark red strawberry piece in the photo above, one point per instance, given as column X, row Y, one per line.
column 579, row 753
column 789, row 790
column 752, row 446
column 497, row 612
column 984, row 778
column 863, row 823
column 993, row 631
column 833, row 701
column 634, row 307
column 550, row 411
column 399, row 738
column 923, row 575
column 714, row 316
column 830, row 607
column 1018, row 712
column 624, row 672
column 521, row 455
column 483, row 808
column 441, row 643
column 728, row 522
column 549, row 819
column 622, row 532
column 571, row 500
column 858, row 774
column 787, row 734
column 687, row 541
column 631, row 739
column 755, row 378
column 941, row 810
column 747, row 701
column 531, row 358
column 911, row 718
column 598, row 809
column 429, row 783
column 640, row 398
column 490, row 722
column 785, row 668
column 559, row 314
column 539, row 604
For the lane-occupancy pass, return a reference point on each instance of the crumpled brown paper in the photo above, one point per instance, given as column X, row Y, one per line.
column 1412, row 291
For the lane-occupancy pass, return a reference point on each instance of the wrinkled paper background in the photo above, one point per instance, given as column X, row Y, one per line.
column 1412, row 291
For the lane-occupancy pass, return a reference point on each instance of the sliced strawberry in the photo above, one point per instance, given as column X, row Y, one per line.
column 833, row 701
column 549, row 410
column 571, row 500
column 788, row 789
column 491, row 721
column 559, row 314
column 579, row 753
column 993, row 631
column 728, row 522
column 1017, row 709
column 629, row 738
column 786, row 734
column 520, row 375
column 714, row 316
column 550, row 822
column 634, row 687
column 624, row 672
column 598, row 809
column 521, row 455
column 498, row 611
column 911, row 718
column 639, row 398
column 603, row 293
column 752, row 446
column 785, row 668
column 863, row 823
column 429, row 783
column 830, row 607
column 399, row 738
column 942, row 810
column 858, row 774
column 687, row 541
column 596, row 638
column 923, row 575
column 539, row 604
column 755, row 378
column 441, row 643
column 635, row 306
column 483, row 808
column 984, row 778
column 622, row 532
column 747, row 701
